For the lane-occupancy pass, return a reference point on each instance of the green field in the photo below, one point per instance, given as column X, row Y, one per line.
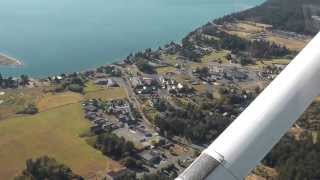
column 54, row 133
column 91, row 87
column 215, row 57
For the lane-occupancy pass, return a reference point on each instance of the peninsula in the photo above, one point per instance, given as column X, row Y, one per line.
column 6, row 60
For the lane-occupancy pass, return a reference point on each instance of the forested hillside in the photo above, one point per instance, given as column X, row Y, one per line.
column 292, row 15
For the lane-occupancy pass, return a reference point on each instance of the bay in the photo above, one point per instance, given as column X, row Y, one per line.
column 53, row 37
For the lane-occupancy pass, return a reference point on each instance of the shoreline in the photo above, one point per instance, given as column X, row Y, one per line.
column 6, row 60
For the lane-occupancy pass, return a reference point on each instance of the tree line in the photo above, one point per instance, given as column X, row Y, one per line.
column 47, row 168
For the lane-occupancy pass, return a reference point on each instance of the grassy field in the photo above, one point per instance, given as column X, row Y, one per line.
column 164, row 70
column 91, row 87
column 107, row 94
column 250, row 26
column 50, row 101
column 264, row 63
column 13, row 100
column 54, row 133
column 215, row 57
column 170, row 59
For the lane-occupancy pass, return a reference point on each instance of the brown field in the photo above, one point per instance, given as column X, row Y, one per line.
column 250, row 26
column 241, row 34
column 201, row 88
column 54, row 133
column 107, row 94
column 292, row 44
column 265, row 62
column 254, row 177
column 50, row 101
column 164, row 70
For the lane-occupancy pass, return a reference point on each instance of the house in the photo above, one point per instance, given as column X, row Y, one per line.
column 96, row 129
column 112, row 83
column 100, row 75
column 135, row 81
column 90, row 115
column 151, row 157
column 90, row 108
column 108, row 82
column 119, row 174
column 101, row 81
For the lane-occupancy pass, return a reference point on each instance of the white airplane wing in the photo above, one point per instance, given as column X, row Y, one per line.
column 252, row 135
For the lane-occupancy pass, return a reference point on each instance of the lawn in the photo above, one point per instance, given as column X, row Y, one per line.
column 107, row 94
column 54, row 133
column 50, row 101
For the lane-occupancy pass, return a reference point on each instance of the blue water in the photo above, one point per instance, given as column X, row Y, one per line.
column 57, row 36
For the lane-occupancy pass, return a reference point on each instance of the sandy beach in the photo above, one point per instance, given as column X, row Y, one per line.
column 6, row 60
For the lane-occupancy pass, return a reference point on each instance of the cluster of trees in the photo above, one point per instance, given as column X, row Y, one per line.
column 8, row 82
column 190, row 51
column 194, row 123
column 111, row 70
column 119, row 149
column 295, row 159
column 47, row 168
column 144, row 66
column 310, row 119
column 132, row 163
column 169, row 172
column 28, row 109
column 148, row 54
column 205, row 117
column 290, row 15
column 73, row 82
column 113, row 146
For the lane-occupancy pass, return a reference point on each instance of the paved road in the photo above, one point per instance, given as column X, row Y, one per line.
column 124, row 82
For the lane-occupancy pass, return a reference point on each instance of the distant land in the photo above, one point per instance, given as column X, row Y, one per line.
column 6, row 60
